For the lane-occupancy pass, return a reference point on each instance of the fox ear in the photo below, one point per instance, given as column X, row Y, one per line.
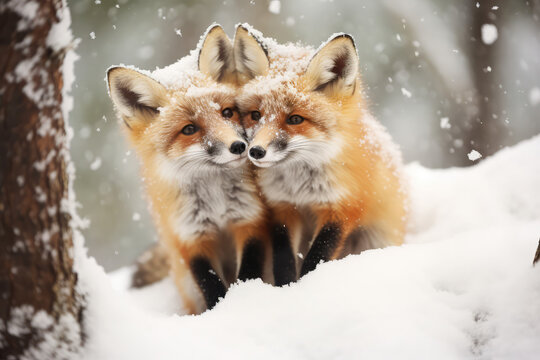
column 334, row 68
column 250, row 56
column 136, row 96
column 216, row 55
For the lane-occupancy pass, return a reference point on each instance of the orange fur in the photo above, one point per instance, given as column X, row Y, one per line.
column 364, row 181
column 159, row 139
column 202, row 193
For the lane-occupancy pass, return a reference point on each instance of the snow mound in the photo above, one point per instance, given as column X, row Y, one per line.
column 462, row 287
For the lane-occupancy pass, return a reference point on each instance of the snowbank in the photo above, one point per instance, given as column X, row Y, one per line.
column 462, row 287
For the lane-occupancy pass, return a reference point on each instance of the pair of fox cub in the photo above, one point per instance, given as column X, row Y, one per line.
column 260, row 160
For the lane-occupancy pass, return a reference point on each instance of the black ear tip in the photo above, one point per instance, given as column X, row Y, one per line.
column 346, row 37
column 245, row 27
column 241, row 27
column 214, row 27
column 111, row 70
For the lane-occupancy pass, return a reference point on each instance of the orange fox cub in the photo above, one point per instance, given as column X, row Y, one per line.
column 325, row 166
column 206, row 206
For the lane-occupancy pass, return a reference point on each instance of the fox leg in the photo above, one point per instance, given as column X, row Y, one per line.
column 197, row 269
column 252, row 262
column 253, row 251
column 284, row 231
column 192, row 298
column 329, row 240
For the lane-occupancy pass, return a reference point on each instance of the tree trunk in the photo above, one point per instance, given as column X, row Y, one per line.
column 486, row 130
column 535, row 9
column 40, row 307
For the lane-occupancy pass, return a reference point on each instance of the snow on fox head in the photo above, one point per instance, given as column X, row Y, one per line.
column 299, row 115
column 186, row 127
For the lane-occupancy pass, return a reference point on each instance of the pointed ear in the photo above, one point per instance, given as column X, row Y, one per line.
column 334, row 68
column 250, row 56
column 216, row 55
column 136, row 96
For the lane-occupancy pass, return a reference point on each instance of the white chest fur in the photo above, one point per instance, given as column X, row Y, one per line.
column 299, row 183
column 209, row 202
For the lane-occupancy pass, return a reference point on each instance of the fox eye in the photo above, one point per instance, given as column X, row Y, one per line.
column 227, row 113
column 189, row 129
column 255, row 115
column 295, row 120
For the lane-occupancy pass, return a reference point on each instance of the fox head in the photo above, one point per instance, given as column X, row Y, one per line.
column 186, row 129
column 303, row 117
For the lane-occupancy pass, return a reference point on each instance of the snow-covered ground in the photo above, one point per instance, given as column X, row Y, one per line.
column 463, row 287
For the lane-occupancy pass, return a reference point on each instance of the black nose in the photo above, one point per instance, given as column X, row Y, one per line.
column 257, row 152
column 237, row 147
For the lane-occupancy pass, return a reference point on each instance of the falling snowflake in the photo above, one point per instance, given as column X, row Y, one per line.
column 445, row 123
column 406, row 92
column 489, row 34
column 274, row 7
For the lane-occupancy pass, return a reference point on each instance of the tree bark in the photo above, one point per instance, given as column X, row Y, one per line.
column 486, row 130
column 40, row 307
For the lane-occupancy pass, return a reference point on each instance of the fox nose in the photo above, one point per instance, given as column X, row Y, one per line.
column 237, row 147
column 257, row 152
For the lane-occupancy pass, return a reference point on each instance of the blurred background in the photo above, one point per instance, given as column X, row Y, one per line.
column 445, row 78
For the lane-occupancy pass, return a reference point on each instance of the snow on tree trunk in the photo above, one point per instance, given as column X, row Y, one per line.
column 40, row 307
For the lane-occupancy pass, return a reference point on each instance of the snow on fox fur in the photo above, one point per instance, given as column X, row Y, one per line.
column 334, row 186
column 202, row 192
column 327, row 169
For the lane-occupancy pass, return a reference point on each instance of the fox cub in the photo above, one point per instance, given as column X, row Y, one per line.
column 204, row 201
column 325, row 166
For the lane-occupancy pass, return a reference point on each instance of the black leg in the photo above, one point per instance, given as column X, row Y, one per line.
column 360, row 239
column 322, row 248
column 209, row 282
column 283, row 258
column 252, row 261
